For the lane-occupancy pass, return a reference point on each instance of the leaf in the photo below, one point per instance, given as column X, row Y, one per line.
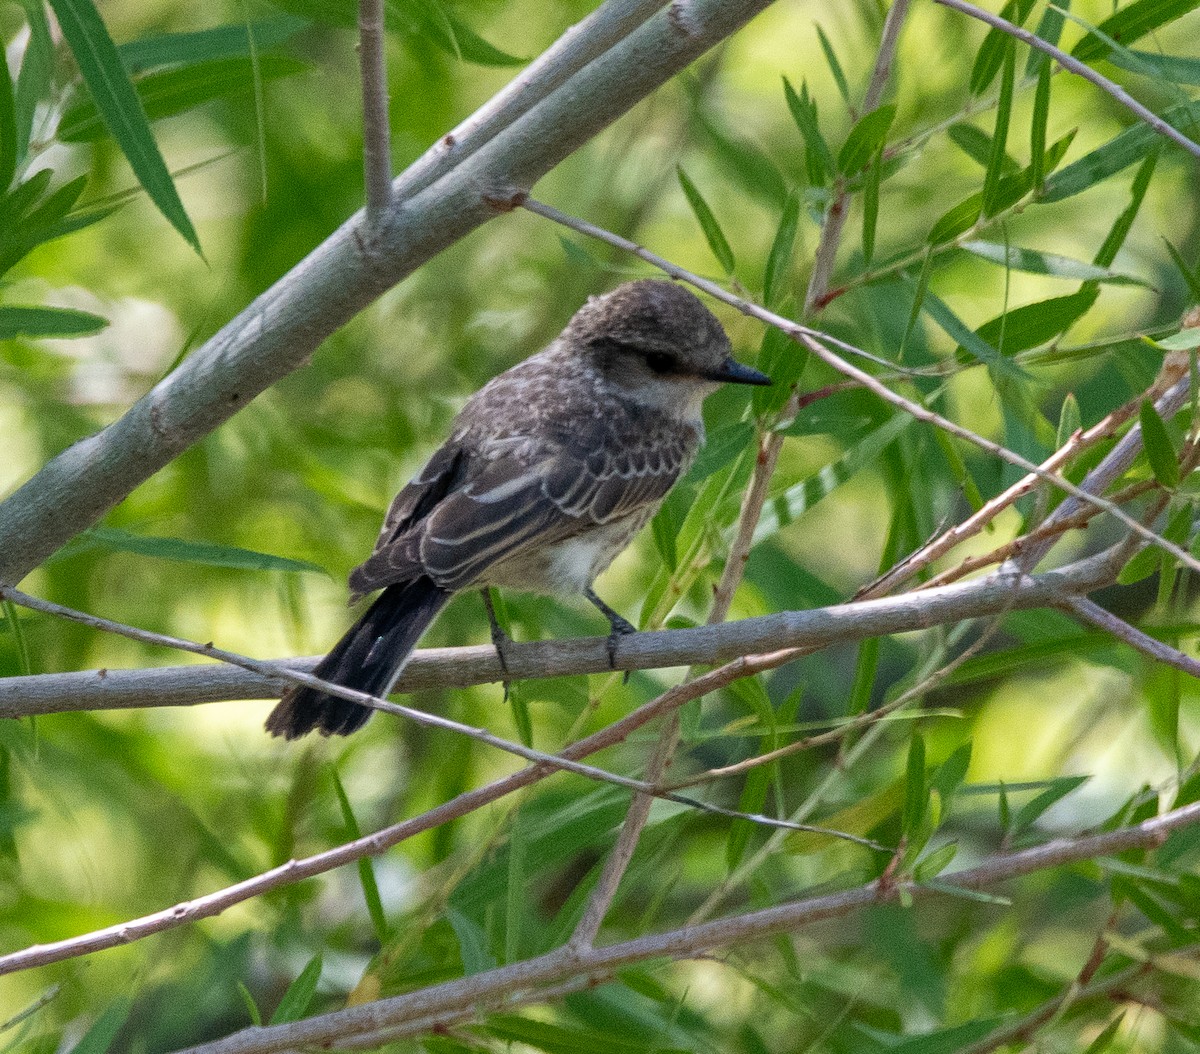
column 866, row 138
column 173, row 91
column 1037, row 129
column 951, row 772
column 784, row 361
column 871, row 207
column 935, row 862
column 1184, row 340
column 1131, row 23
column 1187, row 273
column 974, row 344
column 1133, row 144
column 745, row 164
column 804, row 113
column 1104, row 1040
column 196, row 552
column 1150, row 559
column 835, row 67
column 515, row 893
column 1122, row 224
column 977, row 145
column 47, row 322
column 8, row 126
column 219, row 42
column 797, row 499
column 1176, row 69
column 37, row 68
column 472, row 943
column 1032, row 325
column 1069, row 421
column 992, row 51
column 947, row 1040
column 473, row 48
column 779, row 260
column 250, row 1004
column 1160, row 451
column 708, row 223
column 916, row 794
column 993, row 201
column 100, row 1036
column 1032, row 810
column 366, row 867
column 121, row 109
column 1032, row 261
column 294, row 1004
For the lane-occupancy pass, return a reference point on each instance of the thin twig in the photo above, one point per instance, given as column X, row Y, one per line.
column 1075, row 66
column 377, row 136
column 1089, row 611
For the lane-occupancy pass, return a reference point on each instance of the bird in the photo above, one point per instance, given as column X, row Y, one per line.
column 549, row 472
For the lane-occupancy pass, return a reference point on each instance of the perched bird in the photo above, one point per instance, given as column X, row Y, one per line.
column 549, row 472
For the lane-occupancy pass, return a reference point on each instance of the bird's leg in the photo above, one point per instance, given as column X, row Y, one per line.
column 500, row 639
column 619, row 627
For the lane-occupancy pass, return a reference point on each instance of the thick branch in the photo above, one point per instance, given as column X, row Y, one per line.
column 461, row 667
column 283, row 327
column 484, row 989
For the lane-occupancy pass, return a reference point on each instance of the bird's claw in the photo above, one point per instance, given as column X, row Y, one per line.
column 620, row 628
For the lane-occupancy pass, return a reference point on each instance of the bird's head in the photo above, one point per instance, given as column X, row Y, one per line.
column 657, row 341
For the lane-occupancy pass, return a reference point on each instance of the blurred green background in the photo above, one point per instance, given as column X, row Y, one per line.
column 108, row 816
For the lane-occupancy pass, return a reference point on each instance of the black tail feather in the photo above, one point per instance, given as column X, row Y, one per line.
column 368, row 658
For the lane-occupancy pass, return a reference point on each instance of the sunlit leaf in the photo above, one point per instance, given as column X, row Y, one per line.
column 866, row 138
column 991, row 53
column 835, row 67
column 37, row 68
column 294, row 1004
column 1131, row 23
column 1052, row 265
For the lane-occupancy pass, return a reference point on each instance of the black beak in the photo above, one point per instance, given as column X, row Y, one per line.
column 734, row 372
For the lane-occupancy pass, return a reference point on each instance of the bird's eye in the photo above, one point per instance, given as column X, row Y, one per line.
column 660, row 362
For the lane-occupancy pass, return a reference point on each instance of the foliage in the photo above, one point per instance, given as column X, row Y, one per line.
column 1004, row 249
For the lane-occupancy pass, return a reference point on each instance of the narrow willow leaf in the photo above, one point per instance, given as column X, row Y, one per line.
column 956, row 220
column 779, row 260
column 784, row 361
column 8, row 126
column 866, row 138
column 1050, row 30
column 992, row 202
column 871, row 207
column 1150, row 560
column 804, row 113
column 935, row 862
column 196, row 552
column 1131, row 23
column 1177, row 69
column 1160, row 451
column 919, row 294
column 1104, row 1040
column 219, row 42
column 974, row 344
column 1184, row 340
column 1187, row 273
column 515, row 894
column 1134, row 144
column 1069, row 421
column 168, row 92
column 950, row 889
column 47, row 322
column 1031, row 261
column 366, row 867
column 916, row 793
column 117, row 101
column 835, row 67
column 797, row 499
column 708, row 223
column 1037, row 129
column 1121, row 226
column 250, row 1004
column 100, row 1036
column 951, row 772
column 294, row 1004
column 992, row 51
column 972, row 141
column 37, row 69
column 1032, row 810
column 1032, row 325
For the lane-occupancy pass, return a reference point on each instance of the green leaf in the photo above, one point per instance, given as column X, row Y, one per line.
column 1122, row 224
column 219, row 42
column 835, row 67
column 1160, row 451
column 474, row 49
column 1131, row 23
column 1177, row 69
column 1032, row 325
column 366, row 867
column 779, row 260
column 250, row 1004
column 935, row 862
column 8, row 127
column 745, row 164
column 804, row 113
column 992, row 51
column 1188, row 274
column 37, row 69
column 784, row 361
column 866, row 138
column 1031, row 261
column 796, row 500
column 1050, row 30
column 1150, row 559
column 993, row 200
column 1037, row 129
column 1104, row 1040
column 121, row 109
column 196, row 552
column 472, row 943
column 1134, row 144
column 294, row 1004
column 1184, row 340
column 977, row 145
column 916, row 793
column 1032, row 810
column 47, row 322
column 708, row 223
column 515, row 893
column 973, row 344
column 947, row 1040
column 871, row 207
column 100, row 1036
column 1069, row 421
column 173, row 91
column 951, row 773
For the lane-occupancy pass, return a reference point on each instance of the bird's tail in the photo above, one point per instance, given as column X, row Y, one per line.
column 368, row 658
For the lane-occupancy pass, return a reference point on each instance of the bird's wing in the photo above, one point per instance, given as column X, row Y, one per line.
column 514, row 504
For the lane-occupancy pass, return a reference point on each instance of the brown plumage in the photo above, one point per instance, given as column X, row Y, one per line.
column 548, row 473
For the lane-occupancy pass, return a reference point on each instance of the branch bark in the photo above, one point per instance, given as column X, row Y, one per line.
column 282, row 328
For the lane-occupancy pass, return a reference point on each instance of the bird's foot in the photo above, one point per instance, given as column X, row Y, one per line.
column 500, row 640
column 619, row 627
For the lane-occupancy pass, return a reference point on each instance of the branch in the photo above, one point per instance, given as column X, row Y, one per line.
column 377, row 139
column 1083, row 70
column 424, row 1008
column 282, row 328
column 462, row 667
